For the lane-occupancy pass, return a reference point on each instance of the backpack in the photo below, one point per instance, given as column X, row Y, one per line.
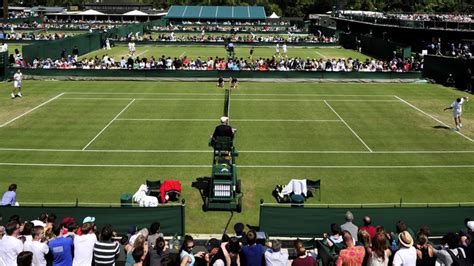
column 460, row 259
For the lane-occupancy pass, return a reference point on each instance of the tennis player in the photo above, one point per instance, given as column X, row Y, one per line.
column 457, row 111
column 17, row 78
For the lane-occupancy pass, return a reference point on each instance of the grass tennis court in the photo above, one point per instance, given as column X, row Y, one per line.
column 213, row 51
column 368, row 143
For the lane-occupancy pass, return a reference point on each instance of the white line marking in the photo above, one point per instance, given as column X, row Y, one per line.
column 31, row 110
column 210, row 99
column 241, row 151
column 96, row 136
column 432, row 117
column 347, row 125
column 241, row 166
column 234, row 94
column 214, row 120
column 323, row 56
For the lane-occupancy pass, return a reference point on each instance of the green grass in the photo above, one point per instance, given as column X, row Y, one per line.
column 13, row 46
column 326, row 148
column 212, row 51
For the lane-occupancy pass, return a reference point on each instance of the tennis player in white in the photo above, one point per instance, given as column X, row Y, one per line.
column 457, row 111
column 17, row 78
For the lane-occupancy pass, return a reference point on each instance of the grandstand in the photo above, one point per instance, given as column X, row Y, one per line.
column 328, row 120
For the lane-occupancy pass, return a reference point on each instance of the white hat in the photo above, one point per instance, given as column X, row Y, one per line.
column 470, row 225
column 224, row 119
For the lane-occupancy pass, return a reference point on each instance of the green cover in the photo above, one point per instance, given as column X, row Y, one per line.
column 171, row 218
column 3, row 65
column 312, row 222
column 117, row 73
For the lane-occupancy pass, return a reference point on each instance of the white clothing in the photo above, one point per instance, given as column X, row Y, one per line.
column 457, row 107
column 297, row 186
column 18, row 77
column 285, row 49
column 83, row 249
column 375, row 260
column 10, row 247
column 273, row 258
column 405, row 256
column 39, row 251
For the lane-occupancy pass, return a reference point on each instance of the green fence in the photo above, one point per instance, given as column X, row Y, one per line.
column 438, row 68
column 116, row 73
column 22, row 20
column 171, row 217
column 378, row 48
column 311, row 222
column 3, row 65
column 85, row 43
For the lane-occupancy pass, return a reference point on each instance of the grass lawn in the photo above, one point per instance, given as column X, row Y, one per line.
column 212, row 51
column 368, row 143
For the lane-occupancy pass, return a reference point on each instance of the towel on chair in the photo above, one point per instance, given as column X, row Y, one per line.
column 296, row 186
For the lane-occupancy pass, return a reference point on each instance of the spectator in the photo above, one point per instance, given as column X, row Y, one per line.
column 450, row 243
column 129, row 248
column 336, row 237
column 274, row 256
column 152, row 240
column 252, row 253
column 366, row 242
column 470, row 245
column 406, row 254
column 239, row 227
column 9, row 197
column 379, row 253
column 400, row 227
column 10, row 246
column 424, row 251
column 185, row 252
column 349, row 226
column 162, row 253
column 303, row 258
column 61, row 247
column 215, row 257
column 26, row 233
column 38, row 246
column 2, row 231
column 84, row 243
column 106, row 251
column 368, row 226
column 230, row 247
column 139, row 254
column 25, row 258
column 352, row 255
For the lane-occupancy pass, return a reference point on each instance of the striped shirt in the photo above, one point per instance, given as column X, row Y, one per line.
column 105, row 252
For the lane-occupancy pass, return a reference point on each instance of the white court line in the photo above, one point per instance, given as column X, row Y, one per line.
column 434, row 118
column 234, row 94
column 214, row 120
column 240, row 166
column 323, row 56
column 96, row 136
column 31, row 110
column 210, row 99
column 347, row 125
column 241, row 151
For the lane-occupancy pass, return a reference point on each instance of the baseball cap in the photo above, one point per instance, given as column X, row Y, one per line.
column 212, row 243
column 68, row 221
column 224, row 119
column 470, row 225
column 88, row 219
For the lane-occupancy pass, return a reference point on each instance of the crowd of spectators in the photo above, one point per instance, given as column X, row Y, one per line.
column 69, row 24
column 33, row 36
column 230, row 28
column 275, row 63
column 44, row 240
column 466, row 18
column 248, row 38
column 461, row 49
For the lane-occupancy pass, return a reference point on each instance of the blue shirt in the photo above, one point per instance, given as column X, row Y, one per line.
column 61, row 250
column 9, row 198
column 253, row 254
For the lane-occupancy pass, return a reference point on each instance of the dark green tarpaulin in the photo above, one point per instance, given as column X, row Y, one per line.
column 171, row 218
column 439, row 68
column 311, row 222
column 215, row 74
column 3, row 65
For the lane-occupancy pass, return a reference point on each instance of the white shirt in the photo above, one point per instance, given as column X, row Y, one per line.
column 39, row 251
column 83, row 249
column 405, row 256
column 275, row 258
column 457, row 106
column 18, row 77
column 10, row 247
